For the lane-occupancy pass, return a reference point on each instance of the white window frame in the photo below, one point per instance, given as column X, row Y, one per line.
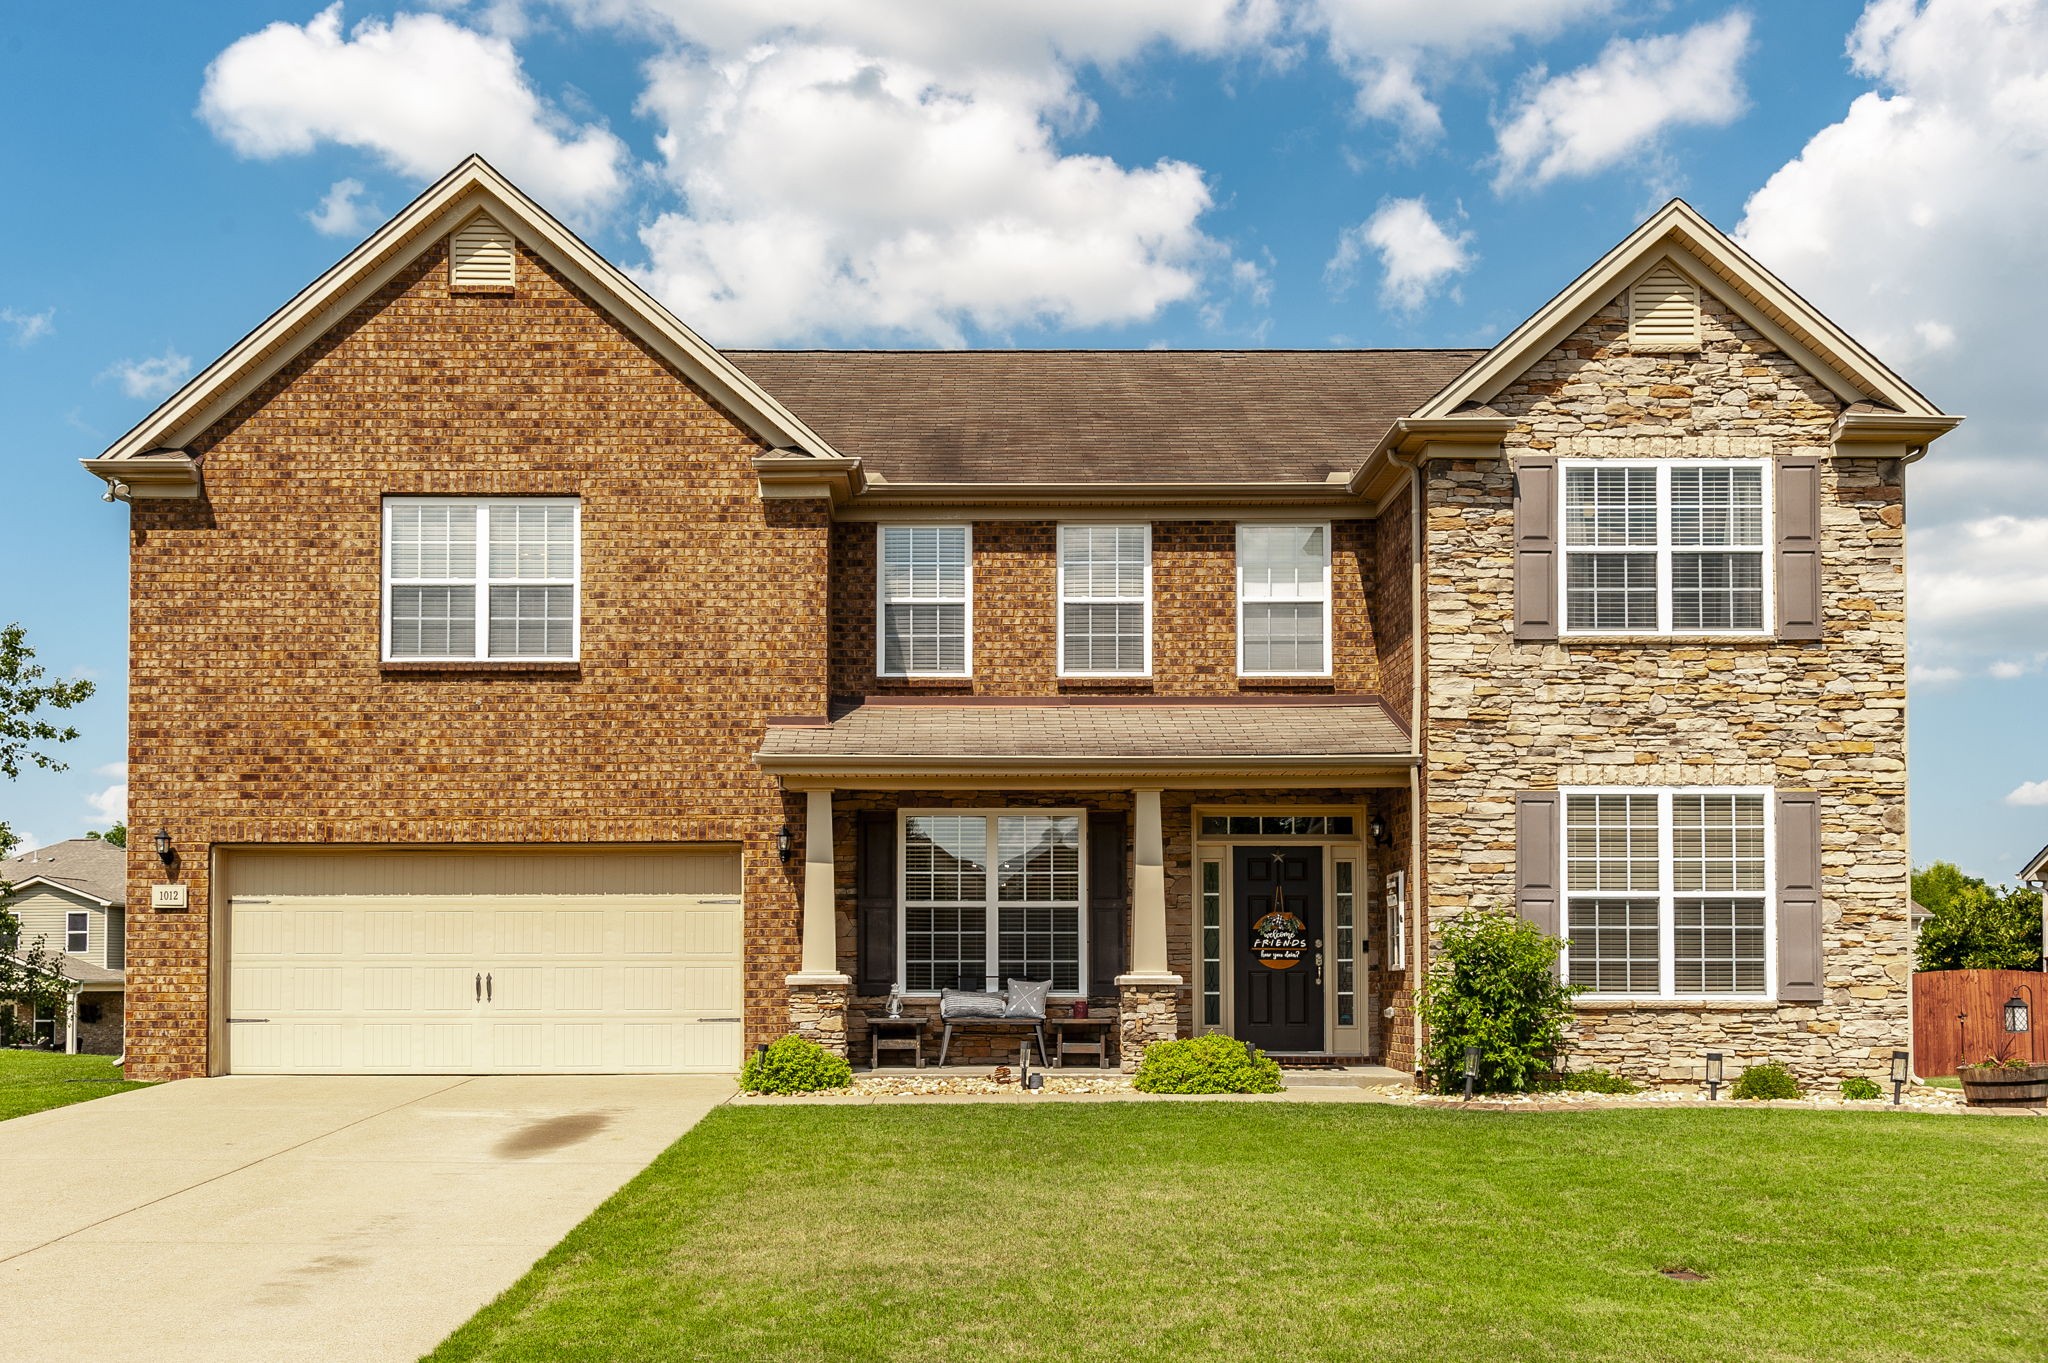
column 1667, row 896
column 483, row 582
column 1062, row 602
column 84, row 930
column 1329, row 592
column 1664, row 549
column 883, row 601
column 991, row 903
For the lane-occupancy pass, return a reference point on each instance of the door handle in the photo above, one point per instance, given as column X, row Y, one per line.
column 479, row 987
column 487, row 987
column 1319, row 962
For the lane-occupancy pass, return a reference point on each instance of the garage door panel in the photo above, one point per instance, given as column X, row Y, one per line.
column 389, row 981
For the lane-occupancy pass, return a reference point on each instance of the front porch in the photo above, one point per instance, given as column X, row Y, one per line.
column 1258, row 894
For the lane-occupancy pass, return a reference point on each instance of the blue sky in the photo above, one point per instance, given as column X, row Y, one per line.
column 1073, row 172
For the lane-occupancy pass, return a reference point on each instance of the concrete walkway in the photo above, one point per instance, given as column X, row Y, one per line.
column 275, row 1219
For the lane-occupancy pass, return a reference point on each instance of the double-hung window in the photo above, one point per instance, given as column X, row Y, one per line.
column 469, row 578
column 1667, row 892
column 77, row 932
column 925, row 590
column 1283, row 600
column 1105, row 625
column 1666, row 547
column 991, row 897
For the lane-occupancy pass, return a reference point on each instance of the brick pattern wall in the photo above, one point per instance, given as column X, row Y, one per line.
column 1194, row 623
column 1393, row 605
column 259, row 709
column 1504, row 717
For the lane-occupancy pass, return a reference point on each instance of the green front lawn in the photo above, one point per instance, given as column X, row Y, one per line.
column 1135, row 1231
column 33, row 1080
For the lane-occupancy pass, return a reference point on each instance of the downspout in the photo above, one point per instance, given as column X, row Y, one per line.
column 1417, row 877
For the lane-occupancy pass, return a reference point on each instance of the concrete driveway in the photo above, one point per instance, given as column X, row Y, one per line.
column 275, row 1219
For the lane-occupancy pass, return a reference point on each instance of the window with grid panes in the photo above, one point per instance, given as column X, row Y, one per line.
column 1105, row 600
column 1666, row 892
column 924, row 581
column 1665, row 547
column 1283, row 595
column 965, row 927
column 474, row 578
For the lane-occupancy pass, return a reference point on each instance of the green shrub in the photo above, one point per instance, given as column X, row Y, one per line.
column 1493, row 984
column 1767, row 1081
column 795, row 1064
column 1596, row 1081
column 1857, row 1089
column 1206, row 1064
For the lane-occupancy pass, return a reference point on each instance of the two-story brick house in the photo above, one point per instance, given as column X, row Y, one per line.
column 524, row 684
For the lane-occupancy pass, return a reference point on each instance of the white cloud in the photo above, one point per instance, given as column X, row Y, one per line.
column 858, row 171
column 24, row 841
column 110, row 803
column 29, row 327
column 1393, row 50
column 155, row 377
column 419, row 91
column 2030, row 793
column 1619, row 106
column 1933, row 676
column 1416, row 254
column 1978, row 587
column 343, row 212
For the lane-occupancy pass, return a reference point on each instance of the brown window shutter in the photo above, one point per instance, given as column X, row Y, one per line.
column 1798, row 566
column 1799, row 952
column 874, row 884
column 1536, row 547
column 1538, row 846
column 1109, row 900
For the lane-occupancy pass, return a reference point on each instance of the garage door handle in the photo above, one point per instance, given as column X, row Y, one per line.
column 479, row 987
column 487, row 987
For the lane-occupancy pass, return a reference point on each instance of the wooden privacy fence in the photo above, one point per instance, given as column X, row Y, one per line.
column 1959, row 1016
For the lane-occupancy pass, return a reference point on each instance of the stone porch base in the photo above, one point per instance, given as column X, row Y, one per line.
column 1148, row 1008
column 817, row 1009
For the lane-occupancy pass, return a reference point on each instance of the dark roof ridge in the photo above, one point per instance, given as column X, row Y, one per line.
column 1109, row 350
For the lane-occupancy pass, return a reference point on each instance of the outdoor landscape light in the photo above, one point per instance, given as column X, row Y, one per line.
column 1899, row 1075
column 1713, row 1075
column 164, row 853
column 2016, row 1015
column 1471, row 1068
column 782, row 841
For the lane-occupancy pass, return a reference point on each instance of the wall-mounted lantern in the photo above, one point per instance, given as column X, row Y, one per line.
column 782, row 844
column 164, row 853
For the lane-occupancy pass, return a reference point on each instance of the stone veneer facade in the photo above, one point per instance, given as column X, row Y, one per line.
column 1826, row 716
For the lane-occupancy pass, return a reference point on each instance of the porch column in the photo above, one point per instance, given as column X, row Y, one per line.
column 1148, row 997
column 71, row 1022
column 818, row 992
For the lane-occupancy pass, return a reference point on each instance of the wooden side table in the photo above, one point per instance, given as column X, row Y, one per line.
column 895, row 1034
column 1082, row 1037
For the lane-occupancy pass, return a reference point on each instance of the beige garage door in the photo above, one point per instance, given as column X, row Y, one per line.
column 431, row 962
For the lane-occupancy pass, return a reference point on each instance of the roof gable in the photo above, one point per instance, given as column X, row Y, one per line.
column 1676, row 236
column 472, row 187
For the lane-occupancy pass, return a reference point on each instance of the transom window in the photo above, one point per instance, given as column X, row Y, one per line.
column 469, row 578
column 77, row 932
column 967, row 927
column 925, row 587
column 1278, row 825
column 1283, row 596
column 1667, row 892
column 1105, row 626
column 1665, row 547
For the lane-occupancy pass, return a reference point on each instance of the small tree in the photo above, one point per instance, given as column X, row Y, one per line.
column 23, row 694
column 117, row 836
column 1493, row 984
column 1974, row 926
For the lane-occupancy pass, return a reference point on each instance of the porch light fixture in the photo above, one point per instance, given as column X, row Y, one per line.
column 2016, row 1015
column 782, row 842
column 1471, row 1069
column 164, row 853
column 1899, row 1075
column 1713, row 1075
column 1380, row 836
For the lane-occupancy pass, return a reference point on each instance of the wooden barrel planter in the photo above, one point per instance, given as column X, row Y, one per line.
column 1997, row 1086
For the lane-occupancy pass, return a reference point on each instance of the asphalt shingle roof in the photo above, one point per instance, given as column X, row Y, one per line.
column 97, row 868
column 1065, row 416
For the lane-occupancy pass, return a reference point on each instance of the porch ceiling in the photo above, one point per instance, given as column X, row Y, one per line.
column 1065, row 741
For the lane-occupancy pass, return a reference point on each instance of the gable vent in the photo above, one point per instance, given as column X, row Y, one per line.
column 480, row 256
column 1664, row 312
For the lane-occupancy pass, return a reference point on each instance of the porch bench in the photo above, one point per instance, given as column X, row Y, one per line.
column 1035, row 1026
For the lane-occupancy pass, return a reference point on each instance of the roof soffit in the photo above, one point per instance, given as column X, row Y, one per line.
column 473, row 186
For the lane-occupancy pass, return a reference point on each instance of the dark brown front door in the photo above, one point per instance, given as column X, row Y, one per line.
column 1279, row 899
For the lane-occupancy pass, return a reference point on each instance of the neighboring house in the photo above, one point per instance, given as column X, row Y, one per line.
column 70, row 896
column 2035, row 873
column 524, row 684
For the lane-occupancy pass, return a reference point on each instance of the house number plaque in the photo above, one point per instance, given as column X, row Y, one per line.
column 1279, row 940
column 167, row 896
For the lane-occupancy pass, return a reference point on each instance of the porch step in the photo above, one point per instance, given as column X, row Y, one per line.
column 1314, row 1060
column 1347, row 1076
